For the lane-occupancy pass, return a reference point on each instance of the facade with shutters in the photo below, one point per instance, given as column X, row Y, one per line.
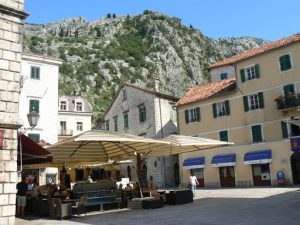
column 39, row 92
column 258, row 110
column 149, row 113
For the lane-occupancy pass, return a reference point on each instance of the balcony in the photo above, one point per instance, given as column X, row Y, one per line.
column 65, row 132
column 286, row 103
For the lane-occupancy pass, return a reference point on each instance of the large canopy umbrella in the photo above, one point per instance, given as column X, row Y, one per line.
column 182, row 144
column 102, row 146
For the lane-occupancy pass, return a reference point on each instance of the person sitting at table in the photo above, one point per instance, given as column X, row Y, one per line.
column 89, row 179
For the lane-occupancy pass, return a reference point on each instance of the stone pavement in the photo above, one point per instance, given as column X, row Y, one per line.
column 236, row 206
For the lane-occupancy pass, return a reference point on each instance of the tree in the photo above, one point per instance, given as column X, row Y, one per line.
column 76, row 33
column 108, row 15
column 191, row 26
column 114, row 16
column 61, row 32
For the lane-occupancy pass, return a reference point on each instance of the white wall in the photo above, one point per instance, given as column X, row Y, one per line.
column 46, row 91
column 215, row 74
column 72, row 119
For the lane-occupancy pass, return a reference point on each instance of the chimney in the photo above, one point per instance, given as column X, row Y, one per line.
column 155, row 83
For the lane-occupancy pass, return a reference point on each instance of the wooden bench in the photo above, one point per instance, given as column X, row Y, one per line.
column 102, row 200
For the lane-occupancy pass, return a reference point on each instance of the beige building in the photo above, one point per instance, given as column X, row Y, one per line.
column 253, row 102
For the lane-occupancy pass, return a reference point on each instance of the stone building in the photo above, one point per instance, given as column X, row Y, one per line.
column 11, row 28
column 149, row 113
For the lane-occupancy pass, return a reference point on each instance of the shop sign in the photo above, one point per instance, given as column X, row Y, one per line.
column 1, row 139
column 295, row 144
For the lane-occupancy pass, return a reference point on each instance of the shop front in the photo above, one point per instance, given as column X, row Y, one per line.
column 226, row 164
column 196, row 167
column 260, row 162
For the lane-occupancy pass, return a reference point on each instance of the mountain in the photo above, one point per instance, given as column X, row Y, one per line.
column 99, row 56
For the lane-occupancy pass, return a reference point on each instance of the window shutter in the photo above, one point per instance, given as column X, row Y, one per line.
column 261, row 100
column 256, row 67
column 246, row 106
column 214, row 107
column 243, row 78
column 288, row 64
column 288, row 89
column 223, row 135
column 256, row 133
column 227, row 107
column 145, row 114
column 281, row 61
column 186, row 116
column 34, row 105
column 38, row 73
column 198, row 114
column 284, row 129
column 32, row 73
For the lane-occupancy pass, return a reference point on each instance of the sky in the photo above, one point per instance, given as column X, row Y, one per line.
column 267, row 19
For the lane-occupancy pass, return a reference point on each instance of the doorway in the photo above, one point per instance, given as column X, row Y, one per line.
column 295, row 166
column 261, row 174
column 227, row 176
column 79, row 174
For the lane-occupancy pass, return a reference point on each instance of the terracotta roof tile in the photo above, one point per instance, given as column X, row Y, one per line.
column 207, row 90
column 259, row 50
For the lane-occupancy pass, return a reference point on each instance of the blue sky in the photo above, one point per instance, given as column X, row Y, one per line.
column 268, row 19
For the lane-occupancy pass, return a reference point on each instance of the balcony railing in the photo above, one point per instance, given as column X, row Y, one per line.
column 65, row 132
column 285, row 102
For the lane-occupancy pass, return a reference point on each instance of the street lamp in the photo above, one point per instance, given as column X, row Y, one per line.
column 33, row 118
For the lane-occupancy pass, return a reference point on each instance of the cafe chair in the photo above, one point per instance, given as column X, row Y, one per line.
column 80, row 206
column 52, row 210
column 62, row 210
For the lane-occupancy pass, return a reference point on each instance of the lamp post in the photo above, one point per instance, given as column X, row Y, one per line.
column 33, row 118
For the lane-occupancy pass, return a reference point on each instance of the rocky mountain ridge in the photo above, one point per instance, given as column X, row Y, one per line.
column 99, row 56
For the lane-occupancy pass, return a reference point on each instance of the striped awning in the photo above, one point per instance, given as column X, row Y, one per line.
column 223, row 160
column 258, row 157
column 194, row 163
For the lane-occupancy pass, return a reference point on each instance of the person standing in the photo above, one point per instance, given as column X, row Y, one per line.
column 22, row 188
column 193, row 182
column 35, row 197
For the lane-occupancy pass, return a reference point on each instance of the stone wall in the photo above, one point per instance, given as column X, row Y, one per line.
column 11, row 25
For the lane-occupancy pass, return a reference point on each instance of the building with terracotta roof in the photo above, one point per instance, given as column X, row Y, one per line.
column 145, row 112
column 253, row 102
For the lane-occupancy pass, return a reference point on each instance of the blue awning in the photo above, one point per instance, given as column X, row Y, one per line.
column 223, row 160
column 258, row 157
column 193, row 163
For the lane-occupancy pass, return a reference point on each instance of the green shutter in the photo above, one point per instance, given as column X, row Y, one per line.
column 288, row 89
column 246, row 106
column 284, row 129
column 198, row 114
column 214, row 107
column 227, row 107
column 243, row 78
column 261, row 100
column 223, row 135
column 186, row 116
column 257, row 74
column 34, row 137
column 145, row 114
column 256, row 133
column 285, row 62
column 34, row 105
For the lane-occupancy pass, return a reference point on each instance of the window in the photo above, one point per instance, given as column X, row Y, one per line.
column 126, row 123
column 250, row 73
column 34, row 137
column 223, row 76
column 192, row 115
column 284, row 129
column 79, row 106
column 34, row 105
column 63, row 127
column 221, row 109
column 253, row 102
column 289, row 90
column 285, row 62
column 115, row 123
column 63, row 105
column 124, row 95
column 106, row 125
column 142, row 113
column 256, row 133
column 35, row 73
column 223, row 135
column 79, row 126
